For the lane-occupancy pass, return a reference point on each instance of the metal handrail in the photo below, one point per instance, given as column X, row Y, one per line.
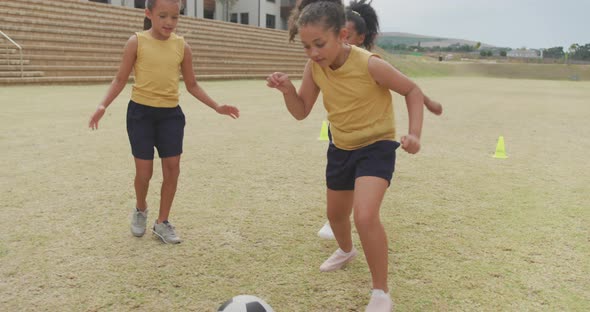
column 20, row 49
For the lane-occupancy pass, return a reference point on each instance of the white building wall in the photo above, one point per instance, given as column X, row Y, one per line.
column 272, row 8
column 125, row 3
column 246, row 6
column 194, row 8
column 257, row 10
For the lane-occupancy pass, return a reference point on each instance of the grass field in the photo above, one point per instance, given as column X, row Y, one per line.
column 467, row 232
column 424, row 66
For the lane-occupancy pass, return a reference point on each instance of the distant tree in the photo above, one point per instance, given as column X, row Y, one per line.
column 466, row 48
column 385, row 45
column 555, row 53
column 581, row 52
column 400, row 47
column 483, row 53
column 477, row 45
column 503, row 53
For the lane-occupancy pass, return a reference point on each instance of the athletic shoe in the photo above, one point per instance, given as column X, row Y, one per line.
column 138, row 222
column 326, row 232
column 166, row 232
column 380, row 302
column 338, row 260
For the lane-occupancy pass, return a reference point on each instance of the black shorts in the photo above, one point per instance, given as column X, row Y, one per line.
column 149, row 127
column 375, row 160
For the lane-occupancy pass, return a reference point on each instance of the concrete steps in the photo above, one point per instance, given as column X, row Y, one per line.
column 104, row 79
column 71, row 41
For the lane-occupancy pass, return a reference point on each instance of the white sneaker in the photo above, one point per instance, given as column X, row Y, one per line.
column 326, row 232
column 138, row 222
column 338, row 260
column 165, row 231
column 380, row 302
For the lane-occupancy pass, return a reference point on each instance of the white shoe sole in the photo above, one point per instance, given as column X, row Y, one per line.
column 137, row 234
column 349, row 260
column 163, row 239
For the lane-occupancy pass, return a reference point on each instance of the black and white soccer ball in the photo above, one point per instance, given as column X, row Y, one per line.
column 245, row 303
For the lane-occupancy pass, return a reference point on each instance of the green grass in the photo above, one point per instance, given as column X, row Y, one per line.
column 417, row 66
column 424, row 66
column 467, row 232
column 409, row 41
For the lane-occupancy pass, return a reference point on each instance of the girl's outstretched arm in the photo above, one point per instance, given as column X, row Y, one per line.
column 193, row 87
column 299, row 104
column 119, row 82
column 389, row 77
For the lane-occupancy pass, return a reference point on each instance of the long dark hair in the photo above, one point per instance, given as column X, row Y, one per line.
column 147, row 23
column 365, row 21
column 328, row 12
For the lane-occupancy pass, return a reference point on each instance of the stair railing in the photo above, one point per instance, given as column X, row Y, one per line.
column 20, row 50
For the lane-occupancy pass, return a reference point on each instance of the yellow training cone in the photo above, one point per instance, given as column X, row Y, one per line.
column 324, row 132
column 500, row 149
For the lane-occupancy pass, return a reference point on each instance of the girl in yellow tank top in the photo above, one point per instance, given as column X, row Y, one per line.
column 154, row 118
column 362, row 25
column 355, row 85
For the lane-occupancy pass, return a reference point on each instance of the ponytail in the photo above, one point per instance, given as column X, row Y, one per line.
column 329, row 12
column 365, row 21
column 147, row 23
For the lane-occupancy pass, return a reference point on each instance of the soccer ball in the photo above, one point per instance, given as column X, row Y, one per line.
column 245, row 303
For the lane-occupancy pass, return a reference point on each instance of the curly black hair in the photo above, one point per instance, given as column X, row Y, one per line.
column 329, row 12
column 365, row 21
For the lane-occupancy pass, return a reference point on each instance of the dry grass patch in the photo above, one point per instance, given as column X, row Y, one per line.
column 467, row 231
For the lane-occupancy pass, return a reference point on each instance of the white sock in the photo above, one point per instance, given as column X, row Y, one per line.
column 344, row 253
column 379, row 292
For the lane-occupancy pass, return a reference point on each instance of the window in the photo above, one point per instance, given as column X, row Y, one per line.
column 244, row 19
column 208, row 14
column 270, row 1
column 208, row 9
column 270, row 21
column 139, row 4
column 233, row 18
column 101, row 1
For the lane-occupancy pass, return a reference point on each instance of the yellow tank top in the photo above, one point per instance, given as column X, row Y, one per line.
column 360, row 111
column 157, row 70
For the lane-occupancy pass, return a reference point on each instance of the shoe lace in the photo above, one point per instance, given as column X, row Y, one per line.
column 170, row 229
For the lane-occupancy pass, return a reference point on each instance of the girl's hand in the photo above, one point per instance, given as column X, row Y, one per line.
column 434, row 107
column 93, row 123
column 410, row 143
column 231, row 111
column 279, row 81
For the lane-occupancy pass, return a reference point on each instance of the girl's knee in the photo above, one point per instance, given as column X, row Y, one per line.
column 366, row 220
column 143, row 175
column 171, row 172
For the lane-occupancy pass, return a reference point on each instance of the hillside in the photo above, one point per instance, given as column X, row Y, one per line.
column 395, row 38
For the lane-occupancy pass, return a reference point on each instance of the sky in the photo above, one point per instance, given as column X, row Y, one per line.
column 503, row 23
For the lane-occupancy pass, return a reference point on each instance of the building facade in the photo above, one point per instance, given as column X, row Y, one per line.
column 261, row 13
column 525, row 53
